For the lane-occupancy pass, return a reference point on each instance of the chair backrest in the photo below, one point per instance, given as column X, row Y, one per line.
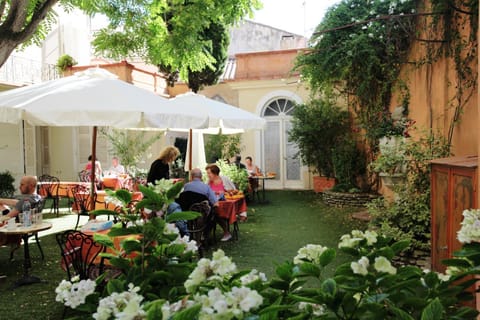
column 49, row 189
column 80, row 254
column 82, row 199
column 198, row 228
column 187, row 198
column 84, row 176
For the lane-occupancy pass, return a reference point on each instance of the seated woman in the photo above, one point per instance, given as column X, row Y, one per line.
column 253, row 171
column 220, row 185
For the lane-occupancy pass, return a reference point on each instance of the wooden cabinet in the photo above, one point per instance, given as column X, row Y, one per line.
column 454, row 189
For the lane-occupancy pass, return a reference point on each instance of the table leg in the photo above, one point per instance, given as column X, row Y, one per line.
column 27, row 264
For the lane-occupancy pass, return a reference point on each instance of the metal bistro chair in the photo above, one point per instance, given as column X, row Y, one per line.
column 79, row 254
column 50, row 191
column 82, row 201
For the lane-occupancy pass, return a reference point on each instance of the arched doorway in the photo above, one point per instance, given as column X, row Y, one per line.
column 279, row 154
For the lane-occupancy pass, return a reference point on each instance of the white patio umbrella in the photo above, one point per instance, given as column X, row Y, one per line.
column 222, row 117
column 94, row 97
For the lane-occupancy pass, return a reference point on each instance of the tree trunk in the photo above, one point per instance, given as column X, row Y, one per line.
column 6, row 48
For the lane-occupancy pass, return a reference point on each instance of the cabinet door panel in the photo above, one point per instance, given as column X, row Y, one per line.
column 439, row 211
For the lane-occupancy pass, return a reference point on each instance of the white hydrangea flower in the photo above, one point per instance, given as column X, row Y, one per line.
column 252, row 276
column 169, row 310
column 311, row 253
column 382, row 264
column 317, row 309
column 470, row 230
column 443, row 277
column 190, row 245
column 346, row 241
column 125, row 306
column 216, row 269
column 361, row 266
column 246, row 298
column 170, row 228
column 73, row 294
column 371, row 237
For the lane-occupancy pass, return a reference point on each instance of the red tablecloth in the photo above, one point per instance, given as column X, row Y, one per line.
column 100, row 202
column 229, row 209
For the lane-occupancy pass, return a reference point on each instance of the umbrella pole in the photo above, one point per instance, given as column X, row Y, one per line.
column 92, row 177
column 190, row 136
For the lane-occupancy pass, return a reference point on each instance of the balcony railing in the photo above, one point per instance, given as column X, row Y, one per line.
column 21, row 71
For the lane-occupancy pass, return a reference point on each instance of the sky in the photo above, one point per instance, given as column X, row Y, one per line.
column 296, row 16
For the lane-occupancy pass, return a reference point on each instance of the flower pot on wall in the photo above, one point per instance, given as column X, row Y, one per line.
column 392, row 180
column 321, row 184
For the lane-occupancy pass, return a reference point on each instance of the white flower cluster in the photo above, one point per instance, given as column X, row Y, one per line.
column 310, row 253
column 381, row 264
column 317, row 309
column 116, row 202
column 217, row 268
column 470, row 230
column 170, row 229
column 190, row 245
column 124, row 306
column 72, row 294
column 253, row 276
column 350, row 241
column 218, row 305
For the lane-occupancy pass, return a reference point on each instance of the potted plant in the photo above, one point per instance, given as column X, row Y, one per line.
column 391, row 164
column 6, row 184
column 64, row 62
column 317, row 128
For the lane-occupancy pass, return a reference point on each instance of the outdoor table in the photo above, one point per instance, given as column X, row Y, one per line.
column 26, row 233
column 229, row 209
column 62, row 188
column 263, row 178
column 101, row 203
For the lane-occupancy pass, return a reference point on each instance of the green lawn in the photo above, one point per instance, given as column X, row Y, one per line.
column 273, row 233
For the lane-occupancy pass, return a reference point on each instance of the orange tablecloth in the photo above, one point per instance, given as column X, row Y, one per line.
column 229, row 209
column 100, row 203
column 62, row 188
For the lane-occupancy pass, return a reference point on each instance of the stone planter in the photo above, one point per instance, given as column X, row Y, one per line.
column 390, row 144
column 392, row 180
column 345, row 199
column 320, row 184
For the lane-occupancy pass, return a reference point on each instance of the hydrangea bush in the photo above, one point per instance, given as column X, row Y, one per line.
column 162, row 282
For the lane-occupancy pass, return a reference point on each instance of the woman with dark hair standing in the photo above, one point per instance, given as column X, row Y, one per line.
column 160, row 168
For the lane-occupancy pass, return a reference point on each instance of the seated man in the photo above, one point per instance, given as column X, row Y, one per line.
column 12, row 207
column 193, row 192
column 116, row 169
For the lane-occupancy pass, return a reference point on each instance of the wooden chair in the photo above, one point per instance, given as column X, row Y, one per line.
column 80, row 255
column 82, row 201
column 50, row 191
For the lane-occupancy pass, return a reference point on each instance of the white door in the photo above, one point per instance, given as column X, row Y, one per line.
column 279, row 154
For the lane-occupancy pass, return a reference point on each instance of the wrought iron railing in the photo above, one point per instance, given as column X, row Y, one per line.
column 20, row 71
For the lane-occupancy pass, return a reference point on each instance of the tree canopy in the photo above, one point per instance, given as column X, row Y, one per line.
column 175, row 35
column 185, row 37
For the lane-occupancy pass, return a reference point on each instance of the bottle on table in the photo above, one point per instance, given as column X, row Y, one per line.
column 26, row 212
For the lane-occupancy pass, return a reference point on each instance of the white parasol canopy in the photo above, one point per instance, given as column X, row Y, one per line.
column 94, row 97
column 222, row 118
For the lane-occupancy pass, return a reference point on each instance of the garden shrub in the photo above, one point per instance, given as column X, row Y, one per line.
column 7, row 188
column 408, row 216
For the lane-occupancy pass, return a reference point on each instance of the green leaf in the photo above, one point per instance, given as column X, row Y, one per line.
column 188, row 314
column 104, row 212
column 399, row 246
column 131, row 245
column 284, row 271
column 115, row 232
column 274, row 308
column 103, row 239
column 329, row 287
column 310, row 269
column 120, row 263
column 327, row 257
column 173, row 192
column 115, row 285
column 154, row 309
column 461, row 263
column 123, row 195
column 433, row 311
column 184, row 215
column 400, row 314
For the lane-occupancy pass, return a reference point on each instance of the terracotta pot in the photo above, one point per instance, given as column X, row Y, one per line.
column 392, row 180
column 321, row 184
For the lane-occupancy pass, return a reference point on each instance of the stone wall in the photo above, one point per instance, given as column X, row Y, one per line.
column 340, row 199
